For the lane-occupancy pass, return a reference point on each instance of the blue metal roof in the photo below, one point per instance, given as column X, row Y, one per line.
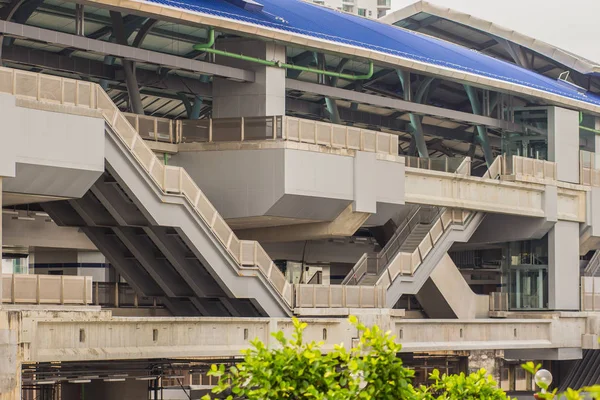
column 303, row 18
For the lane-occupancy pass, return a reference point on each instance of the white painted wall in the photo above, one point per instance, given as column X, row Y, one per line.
column 50, row 153
column 570, row 26
column 563, row 143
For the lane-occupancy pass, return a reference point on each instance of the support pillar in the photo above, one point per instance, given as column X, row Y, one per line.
column 263, row 97
column 1, row 233
column 415, row 120
column 135, row 99
column 563, row 143
column 481, row 130
column 563, row 266
column 79, row 20
column 490, row 360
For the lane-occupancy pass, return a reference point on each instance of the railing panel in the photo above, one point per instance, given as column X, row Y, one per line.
column 144, row 155
column 498, row 301
column 354, row 138
column 369, row 141
column 292, row 129
column 26, row 84
column 50, row 289
column 277, row 278
column 26, row 288
column 84, row 94
column 104, row 103
column 172, row 179
column 195, row 130
column 46, row 289
column 222, row 229
column 235, row 247
column 425, row 246
column 205, row 208
column 146, row 127
column 308, row 131
column 338, row 139
column 188, row 187
column 323, row 133
column 227, row 130
column 383, row 143
column 258, row 128
column 248, row 252
column 353, row 294
column 157, row 172
column 126, row 131
column 51, row 89
column 7, row 77
column 73, row 289
column 436, row 231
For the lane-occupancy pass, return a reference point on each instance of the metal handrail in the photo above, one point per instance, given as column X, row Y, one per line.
column 361, row 268
column 592, row 268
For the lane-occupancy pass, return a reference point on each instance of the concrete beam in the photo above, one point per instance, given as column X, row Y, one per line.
column 346, row 224
column 54, row 336
column 120, row 50
column 398, row 104
column 490, row 195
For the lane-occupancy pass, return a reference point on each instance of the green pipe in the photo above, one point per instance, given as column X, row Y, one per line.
column 166, row 158
column 210, row 43
column 279, row 64
column 585, row 128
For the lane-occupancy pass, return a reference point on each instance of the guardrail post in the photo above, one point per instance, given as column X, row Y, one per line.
column 62, row 289
column 97, row 302
column 274, row 122
column 210, row 130
column 37, row 289
column 85, row 281
column 116, row 294
column 14, row 289
column 155, row 125
column 241, row 129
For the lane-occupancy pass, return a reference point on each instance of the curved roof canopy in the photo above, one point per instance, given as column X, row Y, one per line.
column 306, row 19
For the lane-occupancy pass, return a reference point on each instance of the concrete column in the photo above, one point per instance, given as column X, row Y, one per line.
column 1, row 244
column 563, row 266
column 597, row 144
column 490, row 360
column 263, row 97
column 365, row 186
column 563, row 143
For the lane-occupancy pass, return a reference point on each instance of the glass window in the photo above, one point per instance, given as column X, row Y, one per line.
column 528, row 274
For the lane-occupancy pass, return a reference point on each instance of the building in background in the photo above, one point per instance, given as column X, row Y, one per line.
column 364, row 8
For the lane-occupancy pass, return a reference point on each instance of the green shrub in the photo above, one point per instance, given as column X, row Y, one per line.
column 370, row 371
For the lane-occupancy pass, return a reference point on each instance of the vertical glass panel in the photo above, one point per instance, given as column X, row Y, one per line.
column 528, row 274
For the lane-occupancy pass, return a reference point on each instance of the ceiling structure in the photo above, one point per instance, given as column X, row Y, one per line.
column 169, row 88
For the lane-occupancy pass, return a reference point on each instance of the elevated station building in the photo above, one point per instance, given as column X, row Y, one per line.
column 180, row 177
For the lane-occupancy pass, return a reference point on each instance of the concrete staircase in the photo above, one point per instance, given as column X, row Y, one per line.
column 415, row 238
column 409, row 263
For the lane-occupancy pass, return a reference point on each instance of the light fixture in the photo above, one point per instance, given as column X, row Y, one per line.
column 80, row 381
column 10, row 212
column 27, row 218
column 543, row 377
column 114, row 380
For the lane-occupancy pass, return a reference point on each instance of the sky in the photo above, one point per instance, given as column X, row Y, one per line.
column 570, row 25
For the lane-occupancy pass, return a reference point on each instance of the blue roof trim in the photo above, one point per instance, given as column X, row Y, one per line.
column 303, row 18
